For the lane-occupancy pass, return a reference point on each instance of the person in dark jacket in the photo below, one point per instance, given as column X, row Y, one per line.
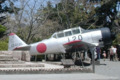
column 98, row 50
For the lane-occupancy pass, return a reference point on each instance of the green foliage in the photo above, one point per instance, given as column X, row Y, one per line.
column 117, row 40
column 107, row 9
column 68, row 14
column 36, row 40
column 3, row 45
column 2, row 30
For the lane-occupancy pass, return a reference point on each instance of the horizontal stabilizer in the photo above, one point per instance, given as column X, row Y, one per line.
column 24, row 48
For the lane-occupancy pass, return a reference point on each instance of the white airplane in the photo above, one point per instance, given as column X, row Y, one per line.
column 64, row 41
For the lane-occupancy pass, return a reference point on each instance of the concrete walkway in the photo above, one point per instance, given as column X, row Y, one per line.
column 108, row 68
column 73, row 76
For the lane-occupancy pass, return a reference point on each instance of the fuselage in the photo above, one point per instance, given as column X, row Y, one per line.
column 55, row 43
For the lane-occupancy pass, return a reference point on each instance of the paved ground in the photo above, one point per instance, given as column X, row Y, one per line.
column 108, row 68
column 73, row 76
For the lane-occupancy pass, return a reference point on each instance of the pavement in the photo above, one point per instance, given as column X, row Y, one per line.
column 73, row 76
column 107, row 70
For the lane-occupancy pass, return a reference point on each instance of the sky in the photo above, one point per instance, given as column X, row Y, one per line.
column 118, row 6
column 44, row 3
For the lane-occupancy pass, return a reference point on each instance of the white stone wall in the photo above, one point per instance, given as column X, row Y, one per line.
column 20, row 55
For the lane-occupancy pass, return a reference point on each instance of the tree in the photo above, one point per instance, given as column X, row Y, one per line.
column 107, row 13
column 6, row 7
column 29, row 19
column 72, row 13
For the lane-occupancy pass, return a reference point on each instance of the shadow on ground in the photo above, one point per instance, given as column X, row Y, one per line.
column 82, row 63
column 103, row 64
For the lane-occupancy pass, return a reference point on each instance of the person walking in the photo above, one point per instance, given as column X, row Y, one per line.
column 104, row 55
column 98, row 50
column 111, row 53
column 115, row 53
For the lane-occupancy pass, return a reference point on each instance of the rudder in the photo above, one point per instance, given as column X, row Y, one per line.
column 15, row 42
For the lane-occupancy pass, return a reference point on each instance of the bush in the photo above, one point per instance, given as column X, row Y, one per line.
column 3, row 45
column 2, row 30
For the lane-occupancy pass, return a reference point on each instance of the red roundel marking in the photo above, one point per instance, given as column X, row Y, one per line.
column 41, row 48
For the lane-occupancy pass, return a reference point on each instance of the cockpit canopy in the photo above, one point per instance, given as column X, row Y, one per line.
column 67, row 32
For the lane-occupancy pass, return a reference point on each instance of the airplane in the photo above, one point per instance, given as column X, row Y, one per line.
column 65, row 41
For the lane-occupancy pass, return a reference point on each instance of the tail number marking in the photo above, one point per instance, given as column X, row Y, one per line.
column 16, row 45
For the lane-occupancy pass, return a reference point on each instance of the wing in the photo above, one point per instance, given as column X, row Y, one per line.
column 24, row 48
column 79, row 44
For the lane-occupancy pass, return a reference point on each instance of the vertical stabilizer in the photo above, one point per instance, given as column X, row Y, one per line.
column 15, row 42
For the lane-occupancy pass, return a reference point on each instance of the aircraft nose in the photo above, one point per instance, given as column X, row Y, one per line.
column 107, row 36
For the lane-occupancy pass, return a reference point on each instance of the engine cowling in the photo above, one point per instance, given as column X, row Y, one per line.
column 107, row 36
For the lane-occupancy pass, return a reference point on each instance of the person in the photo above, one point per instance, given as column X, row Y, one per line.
column 104, row 55
column 111, row 53
column 98, row 50
column 115, row 53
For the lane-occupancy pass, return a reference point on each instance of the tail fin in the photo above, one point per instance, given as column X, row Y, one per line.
column 15, row 42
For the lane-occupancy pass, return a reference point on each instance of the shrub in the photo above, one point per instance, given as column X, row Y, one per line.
column 3, row 45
